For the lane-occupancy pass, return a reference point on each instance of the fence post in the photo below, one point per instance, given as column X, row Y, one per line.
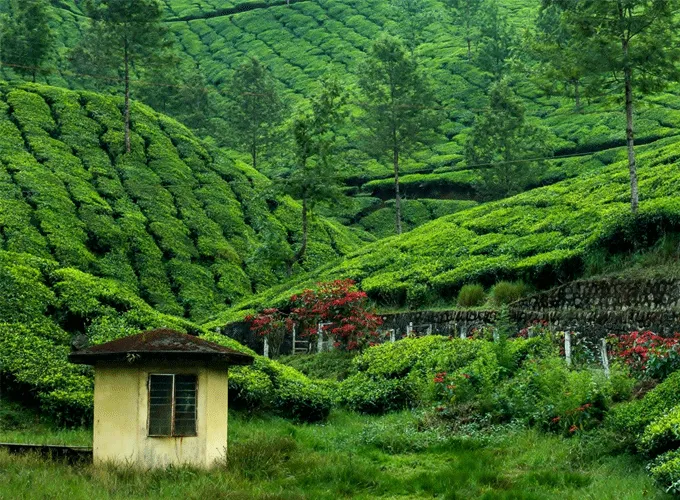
column 409, row 329
column 393, row 335
column 605, row 358
column 429, row 329
column 319, row 338
column 294, row 339
column 567, row 347
column 266, row 348
column 463, row 334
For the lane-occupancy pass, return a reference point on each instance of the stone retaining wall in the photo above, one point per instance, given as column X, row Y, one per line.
column 609, row 294
column 595, row 308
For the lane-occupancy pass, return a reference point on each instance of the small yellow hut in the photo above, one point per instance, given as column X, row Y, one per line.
column 160, row 398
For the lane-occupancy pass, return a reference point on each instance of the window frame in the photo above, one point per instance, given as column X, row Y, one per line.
column 173, row 407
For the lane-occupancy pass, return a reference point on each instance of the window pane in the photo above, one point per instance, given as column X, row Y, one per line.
column 160, row 405
column 185, row 405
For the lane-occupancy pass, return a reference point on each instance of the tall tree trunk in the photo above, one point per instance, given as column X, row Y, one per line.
column 253, row 153
column 397, row 194
column 305, row 236
column 577, row 94
column 126, row 56
column 468, row 27
column 630, row 137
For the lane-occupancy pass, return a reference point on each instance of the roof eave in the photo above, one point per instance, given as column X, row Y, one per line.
column 87, row 358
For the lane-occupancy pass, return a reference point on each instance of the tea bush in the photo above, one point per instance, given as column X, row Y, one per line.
column 471, row 296
column 662, row 435
column 178, row 223
column 539, row 237
column 665, row 469
column 631, row 418
column 44, row 306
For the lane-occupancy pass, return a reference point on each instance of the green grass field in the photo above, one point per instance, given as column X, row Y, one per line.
column 351, row 456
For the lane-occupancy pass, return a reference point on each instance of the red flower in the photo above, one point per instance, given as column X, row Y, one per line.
column 573, row 429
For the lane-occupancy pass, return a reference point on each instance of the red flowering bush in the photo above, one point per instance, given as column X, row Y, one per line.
column 338, row 306
column 272, row 324
column 451, row 389
column 647, row 354
column 342, row 310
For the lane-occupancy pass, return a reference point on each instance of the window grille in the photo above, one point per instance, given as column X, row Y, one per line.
column 172, row 405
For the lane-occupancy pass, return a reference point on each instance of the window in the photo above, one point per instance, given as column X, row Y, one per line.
column 172, row 405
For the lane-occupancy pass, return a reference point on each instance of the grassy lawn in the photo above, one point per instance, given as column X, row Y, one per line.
column 350, row 456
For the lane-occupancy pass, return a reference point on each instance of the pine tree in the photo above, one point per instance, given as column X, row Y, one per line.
column 558, row 52
column 497, row 39
column 633, row 49
column 314, row 176
column 503, row 145
column 398, row 105
column 466, row 14
column 257, row 110
column 122, row 35
column 414, row 16
column 26, row 40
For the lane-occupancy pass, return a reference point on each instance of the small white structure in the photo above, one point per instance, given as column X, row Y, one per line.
column 160, row 398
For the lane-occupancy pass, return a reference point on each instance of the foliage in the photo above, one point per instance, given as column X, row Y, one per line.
column 504, row 145
column 496, row 40
column 646, row 354
column 342, row 311
column 624, row 51
column 272, row 325
column 505, row 292
column 665, row 469
column 26, row 39
column 331, row 365
column 123, row 34
column 177, row 222
column 397, row 100
column 472, row 295
column 544, row 392
column 256, row 108
column 662, row 434
column 540, row 237
column 631, row 418
column 313, row 178
column 399, row 375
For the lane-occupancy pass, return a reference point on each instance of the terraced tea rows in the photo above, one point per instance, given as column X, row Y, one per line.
column 179, row 224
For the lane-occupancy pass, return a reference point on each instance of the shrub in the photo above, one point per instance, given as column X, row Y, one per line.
column 401, row 375
column 369, row 394
column 546, row 393
column 471, row 296
column 631, row 418
column 665, row 470
column 663, row 434
column 271, row 386
column 505, row 292
column 646, row 354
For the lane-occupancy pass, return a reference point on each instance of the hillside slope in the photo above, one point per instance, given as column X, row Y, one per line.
column 177, row 224
column 541, row 236
column 304, row 40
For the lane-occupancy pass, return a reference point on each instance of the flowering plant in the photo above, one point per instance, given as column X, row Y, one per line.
column 647, row 354
column 453, row 389
column 272, row 324
column 342, row 310
column 338, row 306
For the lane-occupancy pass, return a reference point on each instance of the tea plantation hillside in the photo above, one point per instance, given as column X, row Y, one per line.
column 302, row 41
column 177, row 224
column 542, row 236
